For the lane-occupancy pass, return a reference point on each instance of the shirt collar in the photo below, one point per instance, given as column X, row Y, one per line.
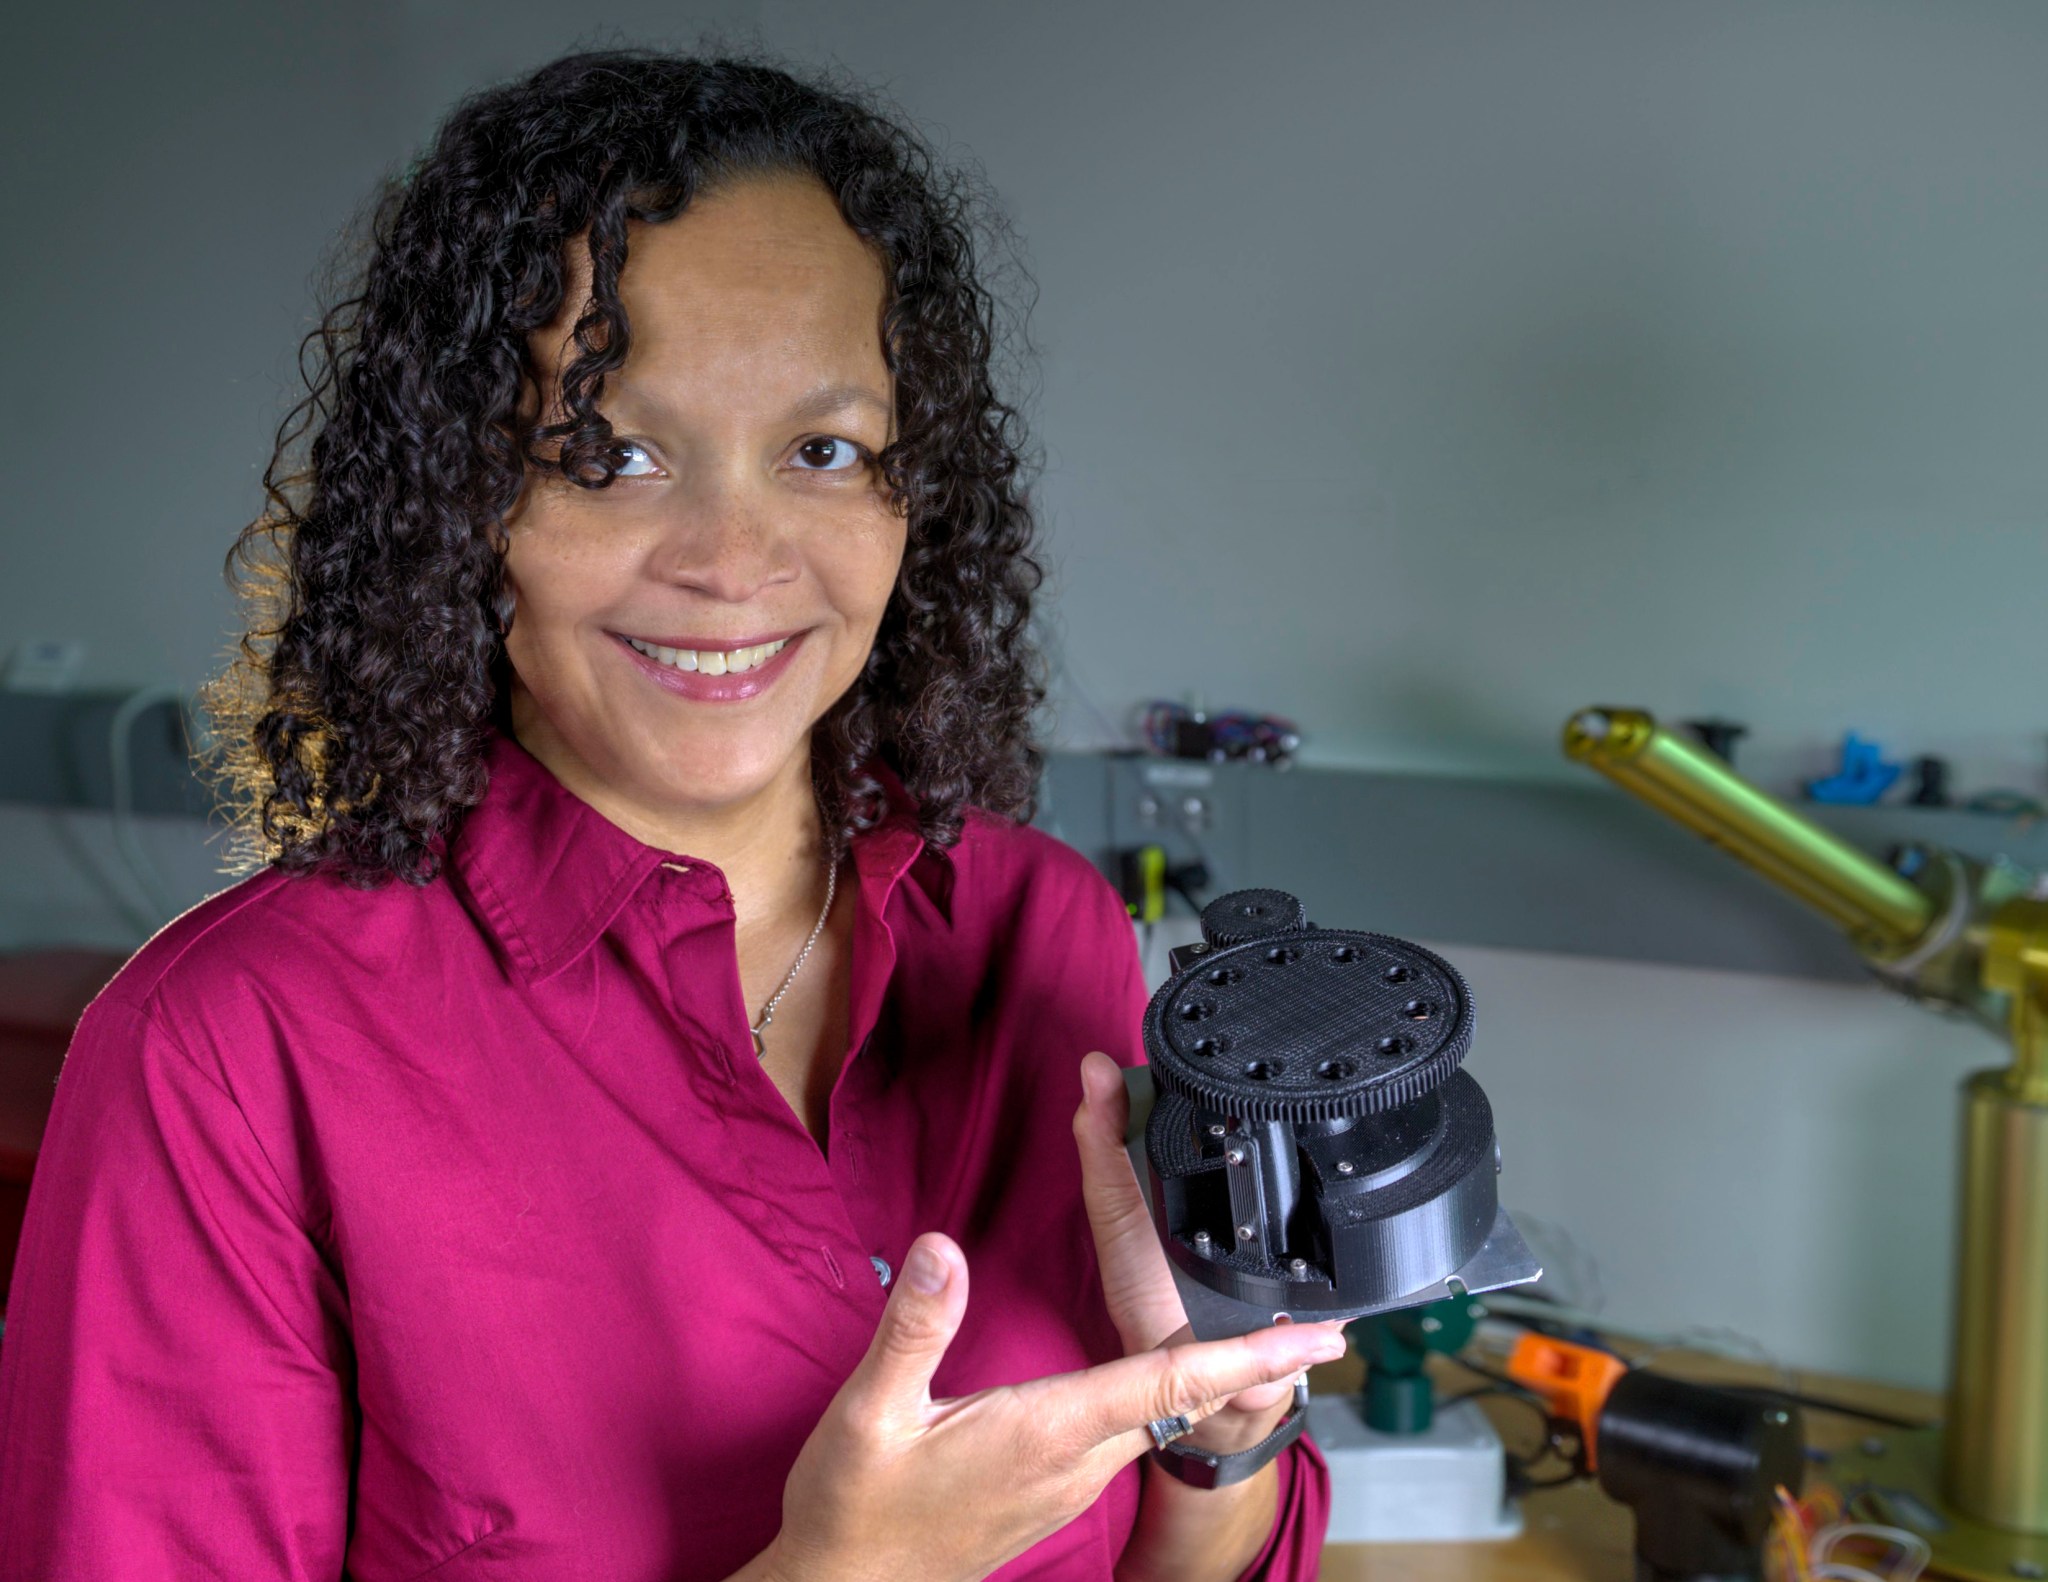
column 546, row 873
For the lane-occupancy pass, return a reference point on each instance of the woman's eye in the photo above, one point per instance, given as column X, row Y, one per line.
column 633, row 461
column 829, row 455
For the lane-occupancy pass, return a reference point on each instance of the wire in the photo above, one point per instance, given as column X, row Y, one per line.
column 1555, row 1435
column 1635, row 1346
column 1775, row 1394
column 1788, row 1528
column 1513, row 1392
column 1913, row 1553
column 1821, row 1403
column 1503, row 1383
column 1808, row 1539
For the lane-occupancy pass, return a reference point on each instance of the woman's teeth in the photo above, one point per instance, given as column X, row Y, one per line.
column 712, row 661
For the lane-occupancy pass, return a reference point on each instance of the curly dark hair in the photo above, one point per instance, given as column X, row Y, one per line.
column 355, row 712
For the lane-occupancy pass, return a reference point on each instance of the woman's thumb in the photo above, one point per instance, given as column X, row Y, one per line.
column 923, row 1315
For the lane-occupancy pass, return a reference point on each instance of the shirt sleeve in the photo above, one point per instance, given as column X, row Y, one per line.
column 1294, row 1548
column 174, row 1395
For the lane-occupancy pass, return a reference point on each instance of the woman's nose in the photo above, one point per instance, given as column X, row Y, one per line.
column 724, row 540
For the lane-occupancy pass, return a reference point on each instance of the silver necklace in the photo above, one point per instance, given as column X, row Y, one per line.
column 768, row 1010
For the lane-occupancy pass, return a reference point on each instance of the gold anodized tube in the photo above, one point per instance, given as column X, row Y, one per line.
column 1995, row 1447
column 1883, row 913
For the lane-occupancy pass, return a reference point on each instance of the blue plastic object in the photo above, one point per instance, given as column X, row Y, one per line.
column 1863, row 778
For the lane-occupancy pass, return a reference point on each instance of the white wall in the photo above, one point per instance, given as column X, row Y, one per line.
column 1770, row 1158
column 1427, row 370
column 175, row 179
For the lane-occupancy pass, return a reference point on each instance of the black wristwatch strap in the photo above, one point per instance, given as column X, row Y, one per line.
column 1205, row 1470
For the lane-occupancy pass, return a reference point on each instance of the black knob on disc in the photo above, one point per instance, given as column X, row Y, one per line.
column 1251, row 914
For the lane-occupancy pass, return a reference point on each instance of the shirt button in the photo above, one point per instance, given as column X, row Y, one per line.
column 881, row 1271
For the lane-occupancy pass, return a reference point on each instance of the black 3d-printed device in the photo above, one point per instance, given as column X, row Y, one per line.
column 1311, row 1146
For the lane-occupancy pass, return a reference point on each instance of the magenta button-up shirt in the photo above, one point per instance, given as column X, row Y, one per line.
column 454, row 1232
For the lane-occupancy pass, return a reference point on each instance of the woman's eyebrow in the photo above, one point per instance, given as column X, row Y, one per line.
column 629, row 399
column 837, row 398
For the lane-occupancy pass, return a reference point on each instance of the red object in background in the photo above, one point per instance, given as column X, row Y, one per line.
column 42, row 995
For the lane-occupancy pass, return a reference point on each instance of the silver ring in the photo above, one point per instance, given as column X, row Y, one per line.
column 1165, row 1430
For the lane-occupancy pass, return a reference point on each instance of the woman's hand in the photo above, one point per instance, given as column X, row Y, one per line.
column 897, row 1487
column 1143, row 1302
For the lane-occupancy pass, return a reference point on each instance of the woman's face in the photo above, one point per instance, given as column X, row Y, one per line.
column 678, row 634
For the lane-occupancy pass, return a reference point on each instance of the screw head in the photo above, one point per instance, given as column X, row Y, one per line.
column 1431, row 1325
column 1233, row 1156
column 1203, row 1240
column 1297, row 1267
column 1246, row 1232
column 1345, row 1167
column 1217, row 1128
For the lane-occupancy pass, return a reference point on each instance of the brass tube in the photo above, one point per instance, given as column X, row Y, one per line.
column 1995, row 1446
column 2016, row 964
column 1883, row 913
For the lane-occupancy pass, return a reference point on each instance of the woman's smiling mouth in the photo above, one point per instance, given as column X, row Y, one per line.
column 707, row 670
column 711, row 661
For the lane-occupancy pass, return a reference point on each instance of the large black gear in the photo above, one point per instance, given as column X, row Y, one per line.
column 1309, row 1025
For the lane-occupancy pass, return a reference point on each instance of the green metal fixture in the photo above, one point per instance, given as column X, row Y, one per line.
column 1396, row 1347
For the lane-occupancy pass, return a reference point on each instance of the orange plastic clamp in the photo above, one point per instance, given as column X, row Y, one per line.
column 1574, row 1379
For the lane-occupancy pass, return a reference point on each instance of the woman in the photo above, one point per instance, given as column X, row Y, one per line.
column 567, row 1158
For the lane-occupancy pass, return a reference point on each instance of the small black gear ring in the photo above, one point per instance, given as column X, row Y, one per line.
column 1251, row 914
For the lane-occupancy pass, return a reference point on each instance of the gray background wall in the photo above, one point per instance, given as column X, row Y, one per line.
column 1422, row 371
column 1427, row 371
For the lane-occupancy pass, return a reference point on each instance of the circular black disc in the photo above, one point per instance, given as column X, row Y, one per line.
column 1314, row 1025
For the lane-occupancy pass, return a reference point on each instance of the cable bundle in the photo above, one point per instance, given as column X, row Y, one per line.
column 1807, row 1537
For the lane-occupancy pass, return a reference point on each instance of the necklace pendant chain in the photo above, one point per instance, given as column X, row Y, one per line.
column 817, row 928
